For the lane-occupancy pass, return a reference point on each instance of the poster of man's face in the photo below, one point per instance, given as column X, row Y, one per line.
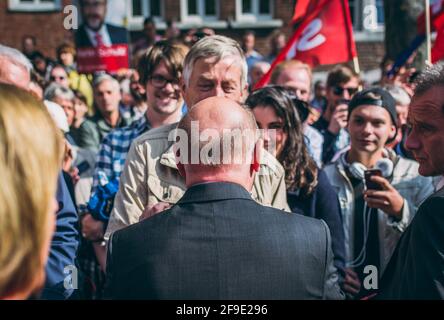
column 93, row 13
column 101, row 45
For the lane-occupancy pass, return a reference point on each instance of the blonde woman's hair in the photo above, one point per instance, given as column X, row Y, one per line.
column 30, row 159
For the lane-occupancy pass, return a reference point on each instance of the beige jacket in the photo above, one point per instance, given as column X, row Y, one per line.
column 151, row 176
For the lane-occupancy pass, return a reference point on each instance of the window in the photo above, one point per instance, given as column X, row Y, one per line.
column 34, row 5
column 145, row 8
column 254, row 10
column 138, row 10
column 367, row 15
column 198, row 11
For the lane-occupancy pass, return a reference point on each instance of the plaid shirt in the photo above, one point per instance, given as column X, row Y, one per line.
column 113, row 150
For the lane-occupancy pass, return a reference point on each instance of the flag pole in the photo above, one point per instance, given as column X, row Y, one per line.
column 428, row 38
column 356, row 65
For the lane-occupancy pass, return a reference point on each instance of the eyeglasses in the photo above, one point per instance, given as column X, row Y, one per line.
column 339, row 91
column 159, row 82
column 55, row 78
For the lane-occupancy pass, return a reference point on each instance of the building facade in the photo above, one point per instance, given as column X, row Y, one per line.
column 44, row 20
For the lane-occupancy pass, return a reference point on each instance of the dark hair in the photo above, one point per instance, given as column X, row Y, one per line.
column 339, row 75
column 249, row 32
column 66, row 47
column 149, row 20
column 172, row 54
column 301, row 172
column 80, row 96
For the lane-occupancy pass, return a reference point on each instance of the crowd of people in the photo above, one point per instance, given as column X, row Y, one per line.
column 340, row 176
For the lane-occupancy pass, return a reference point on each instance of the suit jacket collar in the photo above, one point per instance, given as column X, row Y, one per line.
column 207, row 192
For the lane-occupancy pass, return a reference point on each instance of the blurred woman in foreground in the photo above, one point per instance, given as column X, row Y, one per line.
column 30, row 160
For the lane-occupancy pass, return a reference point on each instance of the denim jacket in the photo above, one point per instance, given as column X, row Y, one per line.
column 405, row 179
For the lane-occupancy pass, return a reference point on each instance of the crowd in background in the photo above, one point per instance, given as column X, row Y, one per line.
column 322, row 135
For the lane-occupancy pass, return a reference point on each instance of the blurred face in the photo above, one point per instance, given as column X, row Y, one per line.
column 80, row 109
column 94, row 12
column 273, row 129
column 297, row 80
column 66, row 58
column 426, row 138
column 211, row 79
column 68, row 107
column 342, row 91
column 402, row 112
column 248, row 42
column 370, row 127
column 59, row 76
column 40, row 64
column 163, row 91
column 280, row 42
column 107, row 97
column 137, row 90
column 28, row 45
column 257, row 72
column 150, row 31
column 320, row 91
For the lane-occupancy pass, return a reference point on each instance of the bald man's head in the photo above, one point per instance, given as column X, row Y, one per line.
column 15, row 68
column 217, row 136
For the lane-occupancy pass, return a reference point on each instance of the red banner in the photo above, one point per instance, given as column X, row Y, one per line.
column 436, row 10
column 109, row 59
column 324, row 35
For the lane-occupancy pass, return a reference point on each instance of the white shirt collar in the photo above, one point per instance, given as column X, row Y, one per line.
column 103, row 31
column 440, row 184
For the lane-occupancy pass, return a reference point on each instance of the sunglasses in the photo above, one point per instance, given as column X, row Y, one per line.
column 339, row 91
column 52, row 78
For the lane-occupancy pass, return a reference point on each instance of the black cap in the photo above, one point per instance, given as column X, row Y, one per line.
column 385, row 101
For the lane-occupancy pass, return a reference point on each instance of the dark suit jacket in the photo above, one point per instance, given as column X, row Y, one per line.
column 416, row 269
column 117, row 35
column 218, row 243
column 323, row 204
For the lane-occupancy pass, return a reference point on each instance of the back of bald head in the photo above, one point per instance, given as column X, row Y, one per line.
column 221, row 124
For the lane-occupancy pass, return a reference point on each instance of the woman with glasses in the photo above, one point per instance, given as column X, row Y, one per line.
column 308, row 189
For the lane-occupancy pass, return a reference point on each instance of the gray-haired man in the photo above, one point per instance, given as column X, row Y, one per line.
column 416, row 269
column 215, row 66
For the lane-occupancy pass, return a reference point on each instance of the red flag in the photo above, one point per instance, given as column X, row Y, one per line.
column 324, row 36
column 436, row 10
column 438, row 47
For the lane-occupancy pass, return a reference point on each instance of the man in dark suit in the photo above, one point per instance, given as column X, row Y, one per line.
column 95, row 32
column 416, row 269
column 216, row 242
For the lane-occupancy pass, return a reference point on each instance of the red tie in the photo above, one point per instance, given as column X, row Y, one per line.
column 99, row 40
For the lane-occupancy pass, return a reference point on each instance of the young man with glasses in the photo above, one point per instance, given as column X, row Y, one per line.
column 342, row 84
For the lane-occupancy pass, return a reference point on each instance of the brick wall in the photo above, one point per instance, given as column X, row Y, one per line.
column 46, row 27
column 49, row 32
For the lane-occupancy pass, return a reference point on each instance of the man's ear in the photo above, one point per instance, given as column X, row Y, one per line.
column 244, row 93
column 393, row 132
column 179, row 164
column 181, row 169
column 257, row 154
column 183, row 88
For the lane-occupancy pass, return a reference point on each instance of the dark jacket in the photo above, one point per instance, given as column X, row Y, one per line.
column 323, row 204
column 218, row 243
column 64, row 245
column 118, row 35
column 416, row 269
